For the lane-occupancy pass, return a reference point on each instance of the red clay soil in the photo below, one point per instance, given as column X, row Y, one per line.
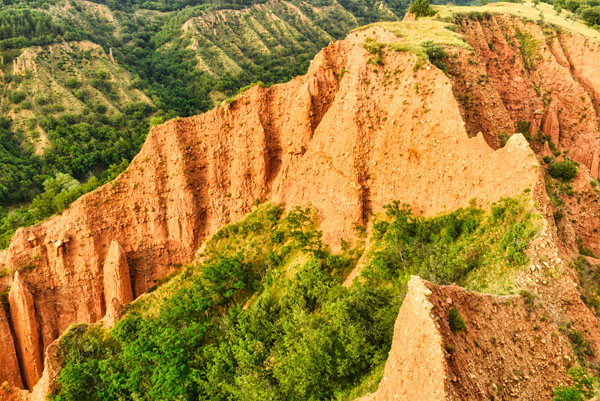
column 497, row 89
column 509, row 349
column 559, row 95
column 342, row 138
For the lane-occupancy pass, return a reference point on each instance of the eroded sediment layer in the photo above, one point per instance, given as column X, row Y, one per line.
column 345, row 138
column 509, row 348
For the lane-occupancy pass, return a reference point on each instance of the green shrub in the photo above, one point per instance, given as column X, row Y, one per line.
column 565, row 170
column 567, row 394
column 455, row 320
column 42, row 100
column 557, row 216
column 582, row 388
column 435, row 53
column 73, row 83
column 17, row 96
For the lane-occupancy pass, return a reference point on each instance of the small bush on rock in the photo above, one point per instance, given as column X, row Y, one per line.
column 565, row 170
column 456, row 322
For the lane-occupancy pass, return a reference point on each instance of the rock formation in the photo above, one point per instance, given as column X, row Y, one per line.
column 508, row 350
column 347, row 139
column 117, row 282
column 9, row 368
column 550, row 125
column 498, row 90
column 357, row 135
column 25, row 325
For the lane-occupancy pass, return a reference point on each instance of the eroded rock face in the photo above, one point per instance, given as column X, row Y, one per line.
column 416, row 368
column 507, row 350
column 550, row 125
column 117, row 282
column 500, row 89
column 9, row 368
column 342, row 138
column 25, row 325
column 498, row 93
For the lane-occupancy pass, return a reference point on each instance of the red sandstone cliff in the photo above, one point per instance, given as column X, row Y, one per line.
column 344, row 142
column 559, row 79
column 558, row 92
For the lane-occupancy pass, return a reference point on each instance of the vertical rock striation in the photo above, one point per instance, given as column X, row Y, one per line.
column 117, row 282
column 509, row 349
column 345, row 137
column 27, row 336
column 9, row 367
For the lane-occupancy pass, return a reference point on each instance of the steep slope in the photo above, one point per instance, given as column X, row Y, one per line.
column 507, row 348
column 78, row 76
column 345, row 128
column 231, row 41
column 63, row 78
column 540, row 79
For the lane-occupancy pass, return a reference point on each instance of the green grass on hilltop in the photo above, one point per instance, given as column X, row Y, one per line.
column 525, row 10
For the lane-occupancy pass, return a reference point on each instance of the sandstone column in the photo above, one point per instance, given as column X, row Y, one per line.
column 594, row 171
column 550, row 125
column 117, row 282
column 9, row 368
column 26, row 328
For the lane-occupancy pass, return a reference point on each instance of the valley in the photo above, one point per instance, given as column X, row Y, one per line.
column 414, row 216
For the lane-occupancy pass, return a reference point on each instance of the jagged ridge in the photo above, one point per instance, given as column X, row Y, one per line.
column 344, row 138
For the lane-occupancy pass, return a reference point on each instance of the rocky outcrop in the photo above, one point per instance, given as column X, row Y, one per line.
column 9, row 368
column 27, row 336
column 550, row 125
column 499, row 93
column 500, row 87
column 343, row 138
column 117, row 281
column 508, row 350
column 416, row 368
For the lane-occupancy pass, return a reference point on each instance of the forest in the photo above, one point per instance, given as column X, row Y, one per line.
column 587, row 10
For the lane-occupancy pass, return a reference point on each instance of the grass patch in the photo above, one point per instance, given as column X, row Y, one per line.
column 530, row 48
column 526, row 11
column 415, row 34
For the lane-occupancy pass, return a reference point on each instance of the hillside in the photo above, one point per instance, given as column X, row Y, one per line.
column 62, row 79
column 83, row 81
column 459, row 148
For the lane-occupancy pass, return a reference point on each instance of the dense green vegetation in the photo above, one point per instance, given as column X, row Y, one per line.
column 565, row 170
column 584, row 386
column 587, row 10
column 264, row 316
column 18, row 167
column 21, row 27
column 80, row 144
